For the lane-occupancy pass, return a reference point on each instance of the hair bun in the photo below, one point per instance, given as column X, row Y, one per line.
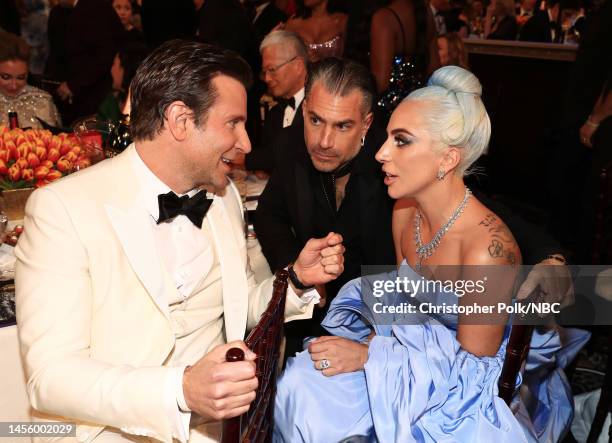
column 457, row 80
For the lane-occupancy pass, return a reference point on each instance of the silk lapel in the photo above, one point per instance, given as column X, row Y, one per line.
column 132, row 224
column 233, row 265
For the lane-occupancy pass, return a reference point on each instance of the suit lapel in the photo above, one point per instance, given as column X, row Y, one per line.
column 304, row 200
column 132, row 225
column 232, row 261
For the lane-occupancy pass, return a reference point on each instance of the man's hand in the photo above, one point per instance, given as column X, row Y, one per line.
column 554, row 280
column 321, row 260
column 64, row 91
column 217, row 389
column 343, row 355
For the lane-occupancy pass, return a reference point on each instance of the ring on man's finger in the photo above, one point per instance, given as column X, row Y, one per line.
column 325, row 364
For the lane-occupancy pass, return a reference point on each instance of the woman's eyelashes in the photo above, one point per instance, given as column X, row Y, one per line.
column 401, row 140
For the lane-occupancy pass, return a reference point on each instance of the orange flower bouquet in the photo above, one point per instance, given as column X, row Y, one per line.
column 35, row 157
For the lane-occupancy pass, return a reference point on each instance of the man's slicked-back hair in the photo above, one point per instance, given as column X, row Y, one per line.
column 341, row 77
column 180, row 70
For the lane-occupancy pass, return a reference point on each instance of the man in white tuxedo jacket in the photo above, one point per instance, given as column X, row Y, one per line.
column 131, row 278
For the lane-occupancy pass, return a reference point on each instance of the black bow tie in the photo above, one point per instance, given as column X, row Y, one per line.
column 284, row 102
column 194, row 208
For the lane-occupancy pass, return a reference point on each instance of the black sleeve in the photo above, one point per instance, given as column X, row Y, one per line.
column 274, row 227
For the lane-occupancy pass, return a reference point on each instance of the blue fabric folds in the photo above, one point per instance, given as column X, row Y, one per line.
column 419, row 385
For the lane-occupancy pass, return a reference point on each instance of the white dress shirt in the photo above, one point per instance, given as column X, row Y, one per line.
column 188, row 257
column 290, row 112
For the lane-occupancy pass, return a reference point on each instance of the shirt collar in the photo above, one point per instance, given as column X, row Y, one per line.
column 299, row 97
column 151, row 185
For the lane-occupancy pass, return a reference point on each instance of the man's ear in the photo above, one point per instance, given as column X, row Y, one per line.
column 367, row 122
column 179, row 120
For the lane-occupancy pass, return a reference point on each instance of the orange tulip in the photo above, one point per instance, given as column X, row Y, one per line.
column 41, row 183
column 53, row 175
column 14, row 173
column 4, row 155
column 47, row 164
column 66, row 147
column 55, row 143
column 33, row 160
column 70, row 156
column 3, row 168
column 41, row 172
column 53, row 154
column 41, row 152
column 22, row 163
column 64, row 164
column 27, row 174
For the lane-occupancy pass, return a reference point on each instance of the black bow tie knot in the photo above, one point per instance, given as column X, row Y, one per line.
column 194, row 208
column 284, row 102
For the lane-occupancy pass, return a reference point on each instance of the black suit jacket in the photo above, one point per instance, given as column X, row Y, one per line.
column 267, row 20
column 537, row 29
column 275, row 138
column 285, row 215
column 93, row 38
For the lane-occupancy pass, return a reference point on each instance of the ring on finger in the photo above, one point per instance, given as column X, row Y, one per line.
column 325, row 364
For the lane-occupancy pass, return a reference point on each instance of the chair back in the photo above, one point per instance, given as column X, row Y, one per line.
column 516, row 353
column 602, row 237
column 264, row 340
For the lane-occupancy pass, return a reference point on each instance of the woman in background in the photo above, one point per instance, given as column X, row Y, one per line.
column 321, row 26
column 30, row 103
column 126, row 15
column 402, row 49
column 451, row 50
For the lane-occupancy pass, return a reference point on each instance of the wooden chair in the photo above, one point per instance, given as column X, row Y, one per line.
column 602, row 255
column 265, row 340
column 516, row 353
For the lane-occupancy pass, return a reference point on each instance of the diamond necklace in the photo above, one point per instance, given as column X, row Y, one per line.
column 425, row 251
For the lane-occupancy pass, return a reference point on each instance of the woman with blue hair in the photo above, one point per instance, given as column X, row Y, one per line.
column 427, row 373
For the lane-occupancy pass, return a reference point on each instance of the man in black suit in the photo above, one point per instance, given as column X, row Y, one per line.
column 329, row 180
column 93, row 38
column 544, row 26
column 284, row 58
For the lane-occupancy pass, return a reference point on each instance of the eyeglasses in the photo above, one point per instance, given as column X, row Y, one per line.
column 274, row 69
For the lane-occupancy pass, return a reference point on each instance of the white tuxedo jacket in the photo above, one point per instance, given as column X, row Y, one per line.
column 91, row 307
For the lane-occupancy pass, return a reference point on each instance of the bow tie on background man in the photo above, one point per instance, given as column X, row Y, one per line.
column 194, row 208
column 284, row 102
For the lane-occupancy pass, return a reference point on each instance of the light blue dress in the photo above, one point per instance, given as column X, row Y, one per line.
column 419, row 385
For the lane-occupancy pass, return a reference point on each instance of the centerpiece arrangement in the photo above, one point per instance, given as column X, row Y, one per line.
column 34, row 157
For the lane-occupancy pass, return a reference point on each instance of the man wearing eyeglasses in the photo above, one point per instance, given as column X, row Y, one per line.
column 284, row 58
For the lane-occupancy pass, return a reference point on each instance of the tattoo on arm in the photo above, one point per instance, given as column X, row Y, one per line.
column 502, row 241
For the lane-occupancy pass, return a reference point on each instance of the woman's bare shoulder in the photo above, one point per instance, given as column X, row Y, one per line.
column 488, row 240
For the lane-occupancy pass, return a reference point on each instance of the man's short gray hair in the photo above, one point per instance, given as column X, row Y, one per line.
column 342, row 77
column 286, row 39
column 455, row 114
